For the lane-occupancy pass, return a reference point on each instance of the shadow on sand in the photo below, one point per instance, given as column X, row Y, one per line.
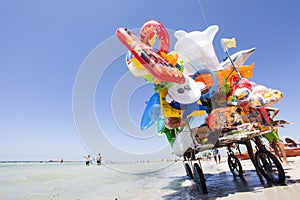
column 219, row 185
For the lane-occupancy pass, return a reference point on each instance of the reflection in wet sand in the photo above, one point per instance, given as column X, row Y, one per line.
column 222, row 185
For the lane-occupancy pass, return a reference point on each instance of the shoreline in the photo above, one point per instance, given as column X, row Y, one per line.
column 56, row 181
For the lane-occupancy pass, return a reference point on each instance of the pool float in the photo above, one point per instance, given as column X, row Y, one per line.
column 153, row 29
column 152, row 112
column 225, row 117
column 134, row 66
column 151, row 60
column 238, row 59
column 196, row 48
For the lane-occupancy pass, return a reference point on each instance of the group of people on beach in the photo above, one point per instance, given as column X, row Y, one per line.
column 88, row 160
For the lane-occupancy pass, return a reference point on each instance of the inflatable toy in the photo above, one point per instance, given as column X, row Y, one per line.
column 153, row 29
column 214, row 85
column 134, row 66
column 238, row 58
column 171, row 110
column 245, row 71
column 153, row 62
column 172, row 122
column 225, row 117
column 186, row 93
column 196, row 48
column 190, row 81
column 152, row 112
column 242, row 94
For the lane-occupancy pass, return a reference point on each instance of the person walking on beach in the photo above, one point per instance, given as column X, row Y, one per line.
column 87, row 160
column 99, row 158
column 277, row 145
column 217, row 155
column 273, row 138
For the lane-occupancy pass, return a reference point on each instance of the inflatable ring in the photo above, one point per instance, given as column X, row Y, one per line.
column 212, row 91
column 134, row 66
column 152, row 29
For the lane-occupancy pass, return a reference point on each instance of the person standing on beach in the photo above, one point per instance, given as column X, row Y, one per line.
column 99, row 158
column 217, row 155
column 87, row 160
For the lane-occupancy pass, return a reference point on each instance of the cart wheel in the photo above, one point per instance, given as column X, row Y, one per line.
column 188, row 171
column 235, row 165
column 269, row 166
column 199, row 179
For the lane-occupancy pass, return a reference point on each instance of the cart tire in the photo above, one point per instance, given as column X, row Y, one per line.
column 199, row 179
column 188, row 171
column 269, row 166
column 235, row 165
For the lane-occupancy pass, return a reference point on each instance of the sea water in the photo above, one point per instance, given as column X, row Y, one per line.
column 75, row 181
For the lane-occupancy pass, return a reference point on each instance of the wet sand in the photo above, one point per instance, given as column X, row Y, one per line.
column 222, row 185
column 254, row 189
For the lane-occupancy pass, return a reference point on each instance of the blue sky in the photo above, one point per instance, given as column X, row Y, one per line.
column 43, row 44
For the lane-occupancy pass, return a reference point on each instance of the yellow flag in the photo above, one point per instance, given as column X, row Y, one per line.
column 228, row 43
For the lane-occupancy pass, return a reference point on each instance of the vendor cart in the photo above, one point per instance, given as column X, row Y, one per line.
column 188, row 144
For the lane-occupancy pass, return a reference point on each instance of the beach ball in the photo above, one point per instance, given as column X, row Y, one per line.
column 260, row 89
column 257, row 101
column 274, row 97
column 242, row 94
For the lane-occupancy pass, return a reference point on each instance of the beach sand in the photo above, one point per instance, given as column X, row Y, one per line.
column 57, row 181
column 222, row 185
column 225, row 186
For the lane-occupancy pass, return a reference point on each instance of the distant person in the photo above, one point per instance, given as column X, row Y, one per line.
column 61, row 161
column 87, row 160
column 216, row 155
column 99, row 158
column 233, row 148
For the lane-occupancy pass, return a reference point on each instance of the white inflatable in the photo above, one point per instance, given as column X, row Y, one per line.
column 183, row 142
column 238, row 59
column 196, row 48
column 186, row 93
